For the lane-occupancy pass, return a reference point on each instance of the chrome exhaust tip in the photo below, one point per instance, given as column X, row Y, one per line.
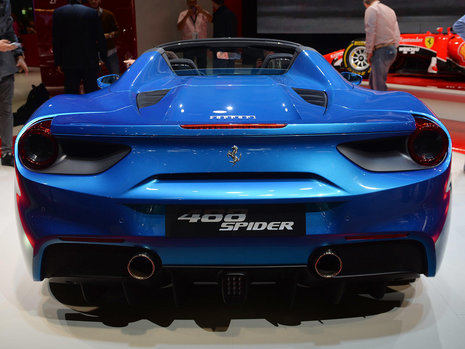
column 328, row 265
column 141, row 266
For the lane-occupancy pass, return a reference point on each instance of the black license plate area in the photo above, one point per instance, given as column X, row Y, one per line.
column 235, row 221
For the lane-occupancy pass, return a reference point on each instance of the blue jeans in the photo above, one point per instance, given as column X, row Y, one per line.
column 380, row 63
column 6, row 114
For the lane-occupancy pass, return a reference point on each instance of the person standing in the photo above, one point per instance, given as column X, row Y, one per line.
column 224, row 21
column 193, row 23
column 459, row 27
column 78, row 45
column 382, row 39
column 224, row 26
column 111, row 31
column 11, row 58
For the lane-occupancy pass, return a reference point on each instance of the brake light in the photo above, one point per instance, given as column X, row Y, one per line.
column 429, row 143
column 231, row 126
column 37, row 147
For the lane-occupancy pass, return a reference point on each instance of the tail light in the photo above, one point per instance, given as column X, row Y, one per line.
column 429, row 143
column 37, row 147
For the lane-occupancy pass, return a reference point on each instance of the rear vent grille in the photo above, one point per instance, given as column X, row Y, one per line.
column 146, row 99
column 313, row 96
column 238, row 176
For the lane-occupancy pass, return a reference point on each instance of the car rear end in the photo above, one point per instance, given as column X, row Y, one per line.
column 236, row 201
column 293, row 186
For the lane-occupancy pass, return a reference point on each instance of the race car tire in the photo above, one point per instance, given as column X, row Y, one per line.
column 355, row 59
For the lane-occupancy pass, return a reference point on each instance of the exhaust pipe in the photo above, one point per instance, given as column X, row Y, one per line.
column 328, row 265
column 141, row 266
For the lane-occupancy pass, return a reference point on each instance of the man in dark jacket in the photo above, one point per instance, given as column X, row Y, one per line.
column 11, row 58
column 78, row 44
column 224, row 26
column 111, row 32
column 224, row 21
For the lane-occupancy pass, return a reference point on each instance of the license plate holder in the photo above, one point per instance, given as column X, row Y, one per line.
column 235, row 221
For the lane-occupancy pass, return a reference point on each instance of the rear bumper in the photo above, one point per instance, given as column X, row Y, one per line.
column 218, row 285
column 411, row 213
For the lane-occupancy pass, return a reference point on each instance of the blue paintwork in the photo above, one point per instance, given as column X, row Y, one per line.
column 358, row 201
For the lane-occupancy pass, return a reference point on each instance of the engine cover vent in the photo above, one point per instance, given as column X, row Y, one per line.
column 146, row 99
column 313, row 96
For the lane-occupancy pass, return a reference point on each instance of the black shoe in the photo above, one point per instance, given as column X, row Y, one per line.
column 7, row 160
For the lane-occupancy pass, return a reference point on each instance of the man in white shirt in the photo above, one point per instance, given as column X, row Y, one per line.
column 382, row 39
column 193, row 24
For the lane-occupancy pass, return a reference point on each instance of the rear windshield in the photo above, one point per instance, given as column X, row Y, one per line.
column 246, row 60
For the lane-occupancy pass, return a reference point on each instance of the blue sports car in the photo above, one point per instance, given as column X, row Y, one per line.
column 232, row 163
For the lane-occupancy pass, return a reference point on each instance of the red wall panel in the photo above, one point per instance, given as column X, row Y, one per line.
column 236, row 7
column 29, row 42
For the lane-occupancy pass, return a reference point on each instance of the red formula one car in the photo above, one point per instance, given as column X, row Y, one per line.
column 441, row 51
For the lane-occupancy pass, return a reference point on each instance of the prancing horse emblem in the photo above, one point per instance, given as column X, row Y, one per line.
column 233, row 155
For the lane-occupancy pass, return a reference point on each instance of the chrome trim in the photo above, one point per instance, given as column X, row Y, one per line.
column 138, row 275
column 330, row 274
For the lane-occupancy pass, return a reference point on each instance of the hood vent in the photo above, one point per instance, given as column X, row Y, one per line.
column 313, row 96
column 146, row 99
